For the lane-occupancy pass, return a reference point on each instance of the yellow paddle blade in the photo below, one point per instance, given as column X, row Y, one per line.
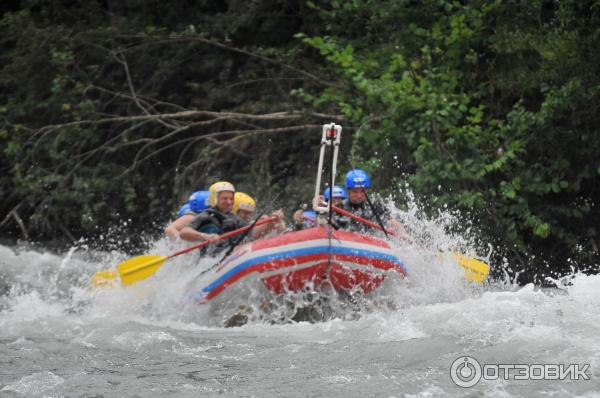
column 139, row 268
column 106, row 279
column 475, row 270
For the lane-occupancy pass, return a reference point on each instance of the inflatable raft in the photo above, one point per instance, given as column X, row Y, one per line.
column 314, row 257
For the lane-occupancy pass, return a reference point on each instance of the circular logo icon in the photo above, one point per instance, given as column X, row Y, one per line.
column 465, row 372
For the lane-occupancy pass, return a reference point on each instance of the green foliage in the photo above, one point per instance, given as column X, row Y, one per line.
column 491, row 101
column 489, row 107
column 64, row 65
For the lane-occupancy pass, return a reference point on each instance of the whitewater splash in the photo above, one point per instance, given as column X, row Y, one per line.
column 50, row 282
column 60, row 337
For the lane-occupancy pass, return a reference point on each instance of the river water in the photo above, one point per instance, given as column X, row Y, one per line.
column 61, row 338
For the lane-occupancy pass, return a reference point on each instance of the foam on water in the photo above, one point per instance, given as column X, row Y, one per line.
column 34, row 384
column 48, row 283
column 59, row 336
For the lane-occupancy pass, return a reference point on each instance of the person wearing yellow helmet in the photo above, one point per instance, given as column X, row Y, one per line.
column 221, row 217
column 217, row 219
column 244, row 206
column 221, row 195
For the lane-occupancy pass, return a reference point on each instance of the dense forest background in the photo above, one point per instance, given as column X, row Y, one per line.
column 117, row 110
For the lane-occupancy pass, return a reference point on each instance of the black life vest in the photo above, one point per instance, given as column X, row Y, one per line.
column 362, row 210
column 213, row 221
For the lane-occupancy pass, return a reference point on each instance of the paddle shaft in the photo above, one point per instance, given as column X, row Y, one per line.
column 223, row 236
column 476, row 267
column 364, row 221
column 196, row 246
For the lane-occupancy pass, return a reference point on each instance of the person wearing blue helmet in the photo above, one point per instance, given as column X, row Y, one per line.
column 309, row 219
column 358, row 182
column 197, row 203
column 300, row 216
column 304, row 219
column 183, row 210
column 339, row 194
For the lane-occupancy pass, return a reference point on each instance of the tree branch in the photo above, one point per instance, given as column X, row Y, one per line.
column 183, row 38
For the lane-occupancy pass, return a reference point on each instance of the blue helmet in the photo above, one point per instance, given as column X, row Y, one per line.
column 357, row 178
column 338, row 192
column 199, row 201
column 309, row 218
column 185, row 209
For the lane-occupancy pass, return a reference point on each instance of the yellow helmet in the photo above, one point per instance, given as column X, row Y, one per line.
column 242, row 201
column 217, row 187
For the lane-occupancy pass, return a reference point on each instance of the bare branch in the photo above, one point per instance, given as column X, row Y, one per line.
column 263, row 80
column 220, row 134
column 191, row 114
column 143, row 98
column 21, row 224
column 123, row 61
column 183, row 38
column 9, row 214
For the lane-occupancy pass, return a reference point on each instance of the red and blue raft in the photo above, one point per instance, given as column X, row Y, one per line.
column 346, row 261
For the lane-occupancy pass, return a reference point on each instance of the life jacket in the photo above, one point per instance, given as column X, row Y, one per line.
column 213, row 221
column 362, row 210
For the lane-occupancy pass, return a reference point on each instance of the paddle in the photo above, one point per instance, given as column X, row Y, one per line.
column 476, row 270
column 141, row 267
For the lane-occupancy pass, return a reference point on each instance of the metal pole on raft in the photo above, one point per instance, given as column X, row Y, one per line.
column 331, row 136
